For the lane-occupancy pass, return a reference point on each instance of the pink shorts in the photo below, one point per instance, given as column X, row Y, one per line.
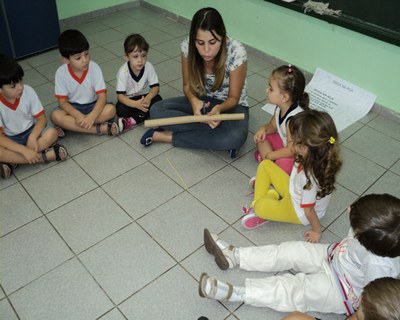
column 286, row 164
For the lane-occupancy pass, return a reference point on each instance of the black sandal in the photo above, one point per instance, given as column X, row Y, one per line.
column 57, row 148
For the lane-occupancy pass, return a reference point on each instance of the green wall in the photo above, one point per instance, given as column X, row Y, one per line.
column 71, row 8
column 292, row 36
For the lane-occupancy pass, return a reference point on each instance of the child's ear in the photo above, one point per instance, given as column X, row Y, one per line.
column 126, row 57
column 285, row 97
column 64, row 60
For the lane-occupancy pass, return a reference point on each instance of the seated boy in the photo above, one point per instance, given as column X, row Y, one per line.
column 23, row 137
column 137, row 84
column 81, row 90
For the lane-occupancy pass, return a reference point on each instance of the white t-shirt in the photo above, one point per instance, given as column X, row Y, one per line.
column 356, row 267
column 20, row 116
column 303, row 198
column 236, row 56
column 281, row 128
column 79, row 90
column 131, row 85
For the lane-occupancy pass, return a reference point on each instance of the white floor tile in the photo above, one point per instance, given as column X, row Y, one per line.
column 68, row 292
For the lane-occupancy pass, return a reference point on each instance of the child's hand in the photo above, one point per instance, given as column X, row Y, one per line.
column 31, row 156
column 312, row 236
column 88, row 121
column 32, row 143
column 143, row 105
column 146, row 102
column 80, row 121
column 260, row 135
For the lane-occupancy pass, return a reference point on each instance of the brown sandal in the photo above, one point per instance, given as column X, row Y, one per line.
column 6, row 170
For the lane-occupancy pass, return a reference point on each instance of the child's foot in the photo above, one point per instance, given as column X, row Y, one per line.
column 252, row 221
column 252, row 182
column 257, row 156
column 126, row 123
column 110, row 127
column 211, row 288
column 55, row 152
column 6, row 169
column 60, row 132
column 247, row 210
column 223, row 252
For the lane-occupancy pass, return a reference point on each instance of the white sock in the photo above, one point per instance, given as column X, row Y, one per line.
column 231, row 255
column 238, row 294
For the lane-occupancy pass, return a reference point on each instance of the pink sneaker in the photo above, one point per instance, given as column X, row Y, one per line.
column 252, row 182
column 257, row 156
column 125, row 124
column 251, row 221
column 247, row 210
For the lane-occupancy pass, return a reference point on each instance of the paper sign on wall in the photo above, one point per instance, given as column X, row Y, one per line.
column 345, row 102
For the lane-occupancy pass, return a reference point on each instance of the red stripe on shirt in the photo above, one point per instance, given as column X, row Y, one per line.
column 307, row 205
column 39, row 114
column 8, row 104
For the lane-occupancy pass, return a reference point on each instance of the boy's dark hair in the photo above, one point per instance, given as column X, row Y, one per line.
column 72, row 42
column 375, row 219
column 10, row 71
column 133, row 41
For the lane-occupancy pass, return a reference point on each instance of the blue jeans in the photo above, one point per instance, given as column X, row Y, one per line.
column 228, row 135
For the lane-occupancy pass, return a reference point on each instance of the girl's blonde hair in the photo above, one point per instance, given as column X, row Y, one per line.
column 292, row 81
column 317, row 131
column 207, row 19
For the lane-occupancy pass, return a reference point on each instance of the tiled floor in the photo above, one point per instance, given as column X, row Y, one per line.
column 115, row 232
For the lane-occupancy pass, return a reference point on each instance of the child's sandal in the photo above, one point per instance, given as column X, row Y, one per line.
column 60, row 132
column 112, row 126
column 57, row 148
column 98, row 129
column 204, row 278
column 6, row 170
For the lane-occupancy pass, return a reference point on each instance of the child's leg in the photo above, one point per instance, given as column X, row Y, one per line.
column 64, row 120
column 49, row 137
column 267, row 207
column 106, row 114
column 299, row 256
column 286, row 164
column 302, row 292
column 271, row 142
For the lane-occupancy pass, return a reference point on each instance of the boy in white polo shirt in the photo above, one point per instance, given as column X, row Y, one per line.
column 81, row 90
column 137, row 84
column 23, row 137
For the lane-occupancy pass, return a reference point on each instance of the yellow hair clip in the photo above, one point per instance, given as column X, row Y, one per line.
column 332, row 140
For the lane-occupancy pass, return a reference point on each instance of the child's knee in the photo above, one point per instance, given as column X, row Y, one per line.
column 56, row 116
column 109, row 111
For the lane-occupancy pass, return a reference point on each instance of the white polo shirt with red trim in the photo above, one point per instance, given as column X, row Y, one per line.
column 19, row 116
column 82, row 89
column 303, row 198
